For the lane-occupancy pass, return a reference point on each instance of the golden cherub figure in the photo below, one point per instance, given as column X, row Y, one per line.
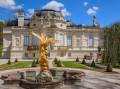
column 43, row 50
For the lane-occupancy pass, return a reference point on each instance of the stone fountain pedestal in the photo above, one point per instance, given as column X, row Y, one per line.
column 44, row 77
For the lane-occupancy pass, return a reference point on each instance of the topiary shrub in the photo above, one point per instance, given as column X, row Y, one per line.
column 37, row 61
column 59, row 64
column 55, row 60
column 33, row 63
column 16, row 60
column 93, row 64
column 77, row 59
column 109, row 68
column 9, row 62
column 83, row 61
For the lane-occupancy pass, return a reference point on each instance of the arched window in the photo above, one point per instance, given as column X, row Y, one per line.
column 26, row 40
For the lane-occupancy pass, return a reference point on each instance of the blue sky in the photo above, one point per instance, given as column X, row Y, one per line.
column 78, row 11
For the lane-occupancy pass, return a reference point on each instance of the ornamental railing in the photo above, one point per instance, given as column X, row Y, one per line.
column 32, row 48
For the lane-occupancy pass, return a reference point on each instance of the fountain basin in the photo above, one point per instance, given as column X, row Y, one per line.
column 26, row 78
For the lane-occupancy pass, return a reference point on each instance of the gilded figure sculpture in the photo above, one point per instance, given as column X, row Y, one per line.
column 43, row 50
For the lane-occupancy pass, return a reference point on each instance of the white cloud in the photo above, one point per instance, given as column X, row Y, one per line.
column 65, row 13
column 91, row 12
column 54, row 5
column 10, row 4
column 95, row 8
column 31, row 11
column 85, row 3
column 28, row 16
column 16, row 14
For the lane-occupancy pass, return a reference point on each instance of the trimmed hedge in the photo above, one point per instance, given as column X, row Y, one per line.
column 16, row 60
column 55, row 60
column 93, row 64
column 83, row 61
column 109, row 68
column 9, row 62
column 37, row 61
column 77, row 59
column 33, row 64
column 59, row 64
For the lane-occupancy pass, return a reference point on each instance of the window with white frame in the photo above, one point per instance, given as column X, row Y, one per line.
column 90, row 41
column 61, row 40
column 69, row 41
column 26, row 40
column 34, row 40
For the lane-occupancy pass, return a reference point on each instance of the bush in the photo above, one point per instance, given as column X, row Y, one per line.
column 55, row 60
column 93, row 64
column 37, row 61
column 59, row 64
column 83, row 61
column 33, row 63
column 16, row 60
column 77, row 59
column 9, row 62
column 109, row 68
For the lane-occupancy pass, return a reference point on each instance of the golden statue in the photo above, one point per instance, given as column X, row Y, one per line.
column 43, row 50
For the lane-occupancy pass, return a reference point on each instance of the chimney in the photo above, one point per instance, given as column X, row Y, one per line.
column 20, row 18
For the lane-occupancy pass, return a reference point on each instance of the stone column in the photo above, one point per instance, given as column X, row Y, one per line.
column 22, row 42
column 13, row 42
column 82, row 39
column 55, row 37
column 73, row 40
column 65, row 40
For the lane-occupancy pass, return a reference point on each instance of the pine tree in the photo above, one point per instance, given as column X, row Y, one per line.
column 109, row 68
column 77, row 59
column 16, row 60
column 93, row 64
column 37, row 61
column 55, row 60
column 9, row 62
column 59, row 64
column 33, row 63
column 83, row 61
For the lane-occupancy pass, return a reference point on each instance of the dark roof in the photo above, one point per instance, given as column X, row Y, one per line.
column 53, row 13
column 15, row 22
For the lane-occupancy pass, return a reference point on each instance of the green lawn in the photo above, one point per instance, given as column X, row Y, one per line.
column 73, row 64
column 16, row 65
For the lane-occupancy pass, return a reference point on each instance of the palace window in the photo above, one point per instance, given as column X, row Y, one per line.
column 69, row 41
column 61, row 40
column 26, row 40
column 48, row 54
column 34, row 40
column 90, row 41
column 69, row 54
column 26, row 54
column 33, row 54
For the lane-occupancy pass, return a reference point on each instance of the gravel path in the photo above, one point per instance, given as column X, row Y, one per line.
column 92, row 80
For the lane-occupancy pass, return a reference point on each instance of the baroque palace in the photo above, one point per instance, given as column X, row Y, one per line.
column 75, row 40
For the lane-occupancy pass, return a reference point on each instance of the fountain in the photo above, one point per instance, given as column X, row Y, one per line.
column 44, row 77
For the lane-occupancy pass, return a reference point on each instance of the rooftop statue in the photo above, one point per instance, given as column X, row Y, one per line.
column 43, row 50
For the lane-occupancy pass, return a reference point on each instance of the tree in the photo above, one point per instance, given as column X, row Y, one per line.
column 9, row 62
column 37, row 61
column 33, row 63
column 59, row 64
column 16, row 60
column 55, row 60
column 109, row 68
column 83, row 61
column 93, row 64
column 77, row 59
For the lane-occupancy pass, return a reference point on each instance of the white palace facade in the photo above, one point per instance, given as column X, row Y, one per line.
column 75, row 40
